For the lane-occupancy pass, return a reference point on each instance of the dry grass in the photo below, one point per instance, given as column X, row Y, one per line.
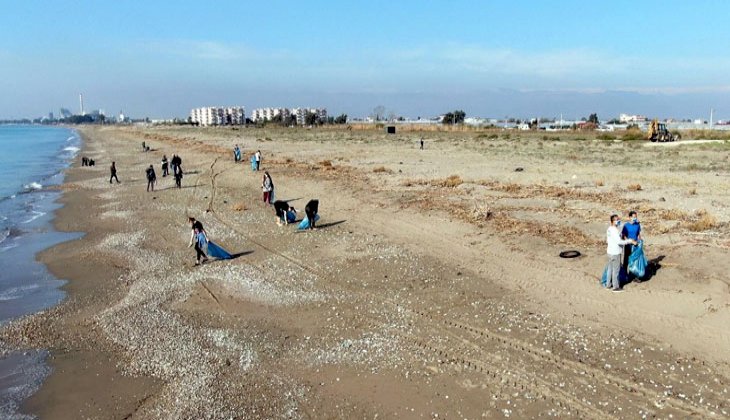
column 674, row 214
column 705, row 222
column 634, row 187
column 599, row 183
column 452, row 181
column 693, row 191
column 326, row 163
column 414, row 182
column 382, row 170
column 239, row 206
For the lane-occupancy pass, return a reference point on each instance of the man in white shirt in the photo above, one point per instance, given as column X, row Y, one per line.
column 613, row 249
column 257, row 158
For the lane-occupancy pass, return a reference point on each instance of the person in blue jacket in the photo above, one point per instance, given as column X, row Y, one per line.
column 631, row 230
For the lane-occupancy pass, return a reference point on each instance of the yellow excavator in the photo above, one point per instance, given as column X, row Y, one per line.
column 658, row 132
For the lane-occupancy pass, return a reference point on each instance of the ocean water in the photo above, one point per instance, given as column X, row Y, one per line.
column 31, row 163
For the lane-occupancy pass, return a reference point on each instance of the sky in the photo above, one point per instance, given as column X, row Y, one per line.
column 159, row 59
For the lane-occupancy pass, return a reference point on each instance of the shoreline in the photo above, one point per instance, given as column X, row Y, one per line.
column 370, row 314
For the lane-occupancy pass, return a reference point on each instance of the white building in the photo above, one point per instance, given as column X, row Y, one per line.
column 626, row 118
column 268, row 114
column 213, row 115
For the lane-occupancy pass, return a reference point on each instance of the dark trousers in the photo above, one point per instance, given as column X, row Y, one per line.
column 178, row 178
column 164, row 170
column 311, row 215
column 199, row 252
column 150, row 184
column 113, row 176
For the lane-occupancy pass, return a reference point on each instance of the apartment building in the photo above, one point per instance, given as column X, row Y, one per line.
column 213, row 115
column 268, row 114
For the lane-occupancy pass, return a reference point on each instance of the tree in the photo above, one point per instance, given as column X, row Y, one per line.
column 455, row 117
column 378, row 113
column 310, row 118
column 341, row 119
column 593, row 118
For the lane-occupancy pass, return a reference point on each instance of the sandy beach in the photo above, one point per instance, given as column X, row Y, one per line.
column 432, row 287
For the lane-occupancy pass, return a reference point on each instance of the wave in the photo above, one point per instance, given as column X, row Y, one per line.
column 33, row 186
column 36, row 214
column 72, row 149
column 72, row 138
column 17, row 292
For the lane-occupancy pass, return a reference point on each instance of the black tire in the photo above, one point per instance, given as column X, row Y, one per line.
column 570, row 254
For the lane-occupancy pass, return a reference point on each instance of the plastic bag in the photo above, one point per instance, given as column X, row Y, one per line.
column 637, row 260
column 216, row 251
column 304, row 224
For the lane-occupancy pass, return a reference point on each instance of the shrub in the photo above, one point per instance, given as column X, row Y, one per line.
column 452, row 181
column 606, row 136
column 382, row 169
column 633, row 135
column 599, row 183
column 705, row 222
column 634, row 187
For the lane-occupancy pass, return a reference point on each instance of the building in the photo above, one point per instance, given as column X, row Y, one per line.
column 269, row 114
column 213, row 115
column 625, row 118
column 301, row 114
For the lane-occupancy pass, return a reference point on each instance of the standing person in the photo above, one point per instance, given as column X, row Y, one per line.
column 311, row 210
column 198, row 237
column 151, row 178
column 178, row 173
column 144, row 147
column 267, row 185
column 421, row 143
column 257, row 158
column 236, row 154
column 613, row 249
column 113, row 171
column 164, row 166
column 631, row 230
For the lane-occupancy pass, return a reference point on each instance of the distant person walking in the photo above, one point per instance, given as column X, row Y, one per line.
column 236, row 154
column 175, row 162
column 144, row 147
column 198, row 238
column 151, row 178
column 267, row 185
column 257, row 159
column 113, row 171
column 178, row 174
column 421, row 143
column 613, row 249
column 164, row 166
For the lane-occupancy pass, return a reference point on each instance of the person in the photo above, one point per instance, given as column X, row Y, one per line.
column 178, row 174
column 236, row 154
column 151, row 178
column 257, row 158
column 421, row 143
column 113, row 170
column 164, row 166
column 284, row 212
column 144, row 147
column 267, row 185
column 175, row 162
column 631, row 230
column 198, row 237
column 613, row 249
column 311, row 210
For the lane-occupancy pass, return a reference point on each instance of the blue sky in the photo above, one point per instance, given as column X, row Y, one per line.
column 490, row 58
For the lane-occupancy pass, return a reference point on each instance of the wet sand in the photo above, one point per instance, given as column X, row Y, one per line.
column 432, row 286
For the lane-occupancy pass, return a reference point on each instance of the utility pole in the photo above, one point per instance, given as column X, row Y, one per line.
column 711, row 112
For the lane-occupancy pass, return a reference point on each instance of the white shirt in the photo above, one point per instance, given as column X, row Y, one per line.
column 257, row 156
column 614, row 241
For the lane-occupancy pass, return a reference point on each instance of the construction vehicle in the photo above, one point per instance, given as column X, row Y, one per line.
column 658, row 132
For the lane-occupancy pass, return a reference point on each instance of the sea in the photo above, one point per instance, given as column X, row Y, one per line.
column 32, row 162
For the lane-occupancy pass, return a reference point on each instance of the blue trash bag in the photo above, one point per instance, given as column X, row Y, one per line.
column 304, row 224
column 253, row 163
column 291, row 217
column 216, row 251
column 637, row 260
